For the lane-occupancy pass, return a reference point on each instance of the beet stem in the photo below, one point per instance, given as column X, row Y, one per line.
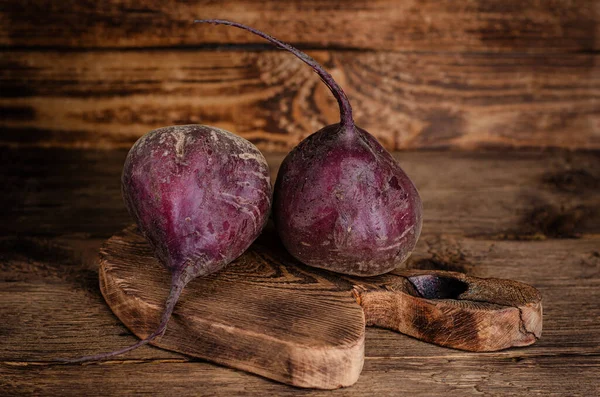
column 177, row 286
column 343, row 102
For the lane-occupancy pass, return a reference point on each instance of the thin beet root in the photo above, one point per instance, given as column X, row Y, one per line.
column 200, row 195
column 341, row 200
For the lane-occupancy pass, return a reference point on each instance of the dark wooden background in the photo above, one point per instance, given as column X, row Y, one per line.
column 420, row 74
column 81, row 80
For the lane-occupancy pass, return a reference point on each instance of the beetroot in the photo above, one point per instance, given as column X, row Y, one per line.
column 201, row 196
column 341, row 201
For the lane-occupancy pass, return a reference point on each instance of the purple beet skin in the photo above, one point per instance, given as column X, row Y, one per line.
column 200, row 195
column 341, row 201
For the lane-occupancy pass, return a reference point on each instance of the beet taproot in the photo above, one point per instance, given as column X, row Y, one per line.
column 200, row 195
column 341, row 200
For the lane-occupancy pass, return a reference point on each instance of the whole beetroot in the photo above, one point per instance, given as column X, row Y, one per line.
column 341, row 201
column 200, row 195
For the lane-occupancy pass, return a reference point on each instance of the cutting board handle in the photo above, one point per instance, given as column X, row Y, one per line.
column 455, row 310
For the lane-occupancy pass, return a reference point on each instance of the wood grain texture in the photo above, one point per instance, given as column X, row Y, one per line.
column 527, row 216
column 520, row 196
column 452, row 309
column 414, row 25
column 108, row 99
column 471, row 375
column 420, row 74
column 259, row 315
column 270, row 315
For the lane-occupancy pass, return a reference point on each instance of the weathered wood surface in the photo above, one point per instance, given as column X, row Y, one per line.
column 269, row 315
column 420, row 74
column 109, row 99
column 452, row 309
column 527, row 216
column 413, row 25
column 259, row 315
column 471, row 375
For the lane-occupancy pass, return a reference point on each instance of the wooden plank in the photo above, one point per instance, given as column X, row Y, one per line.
column 472, row 375
column 504, row 196
column 414, row 25
column 109, row 99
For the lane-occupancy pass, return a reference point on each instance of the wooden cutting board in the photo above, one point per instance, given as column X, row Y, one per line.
column 272, row 316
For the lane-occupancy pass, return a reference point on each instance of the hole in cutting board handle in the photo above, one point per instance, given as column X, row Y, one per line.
column 431, row 286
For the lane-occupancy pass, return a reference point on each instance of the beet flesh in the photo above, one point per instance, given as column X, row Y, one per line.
column 200, row 195
column 341, row 201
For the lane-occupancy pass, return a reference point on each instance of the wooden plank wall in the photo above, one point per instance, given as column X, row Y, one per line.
column 420, row 74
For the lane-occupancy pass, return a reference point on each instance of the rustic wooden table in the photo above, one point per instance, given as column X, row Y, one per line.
column 528, row 216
